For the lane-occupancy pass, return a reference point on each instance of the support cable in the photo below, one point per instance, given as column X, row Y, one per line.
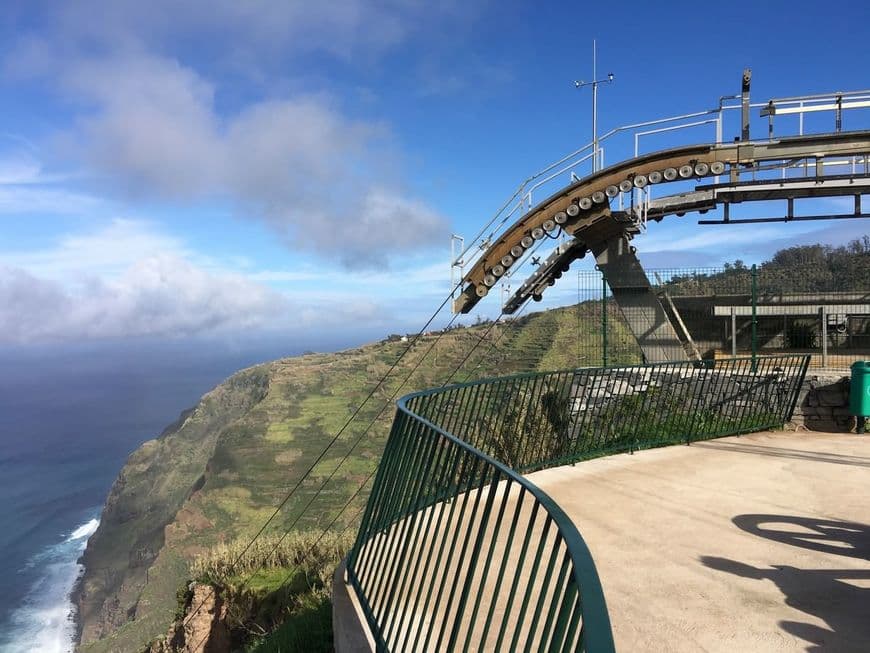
column 371, row 474
column 332, row 442
column 359, row 439
column 289, row 529
column 356, row 412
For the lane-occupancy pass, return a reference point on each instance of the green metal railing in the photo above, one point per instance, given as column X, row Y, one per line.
column 458, row 551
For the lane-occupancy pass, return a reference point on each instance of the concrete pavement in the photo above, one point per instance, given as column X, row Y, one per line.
column 752, row 543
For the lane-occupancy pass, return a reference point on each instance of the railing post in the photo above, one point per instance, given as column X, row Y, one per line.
column 734, row 331
column 603, row 321
column 744, row 113
column 754, row 274
column 472, row 564
column 823, row 315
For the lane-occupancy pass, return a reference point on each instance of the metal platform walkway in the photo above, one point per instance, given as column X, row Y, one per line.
column 602, row 211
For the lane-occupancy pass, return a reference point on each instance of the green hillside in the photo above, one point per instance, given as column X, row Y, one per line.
column 218, row 473
column 216, row 476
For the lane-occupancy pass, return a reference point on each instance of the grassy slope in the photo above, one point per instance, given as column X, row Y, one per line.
column 221, row 474
column 147, row 495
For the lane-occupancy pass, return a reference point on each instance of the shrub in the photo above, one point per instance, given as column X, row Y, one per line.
column 279, row 591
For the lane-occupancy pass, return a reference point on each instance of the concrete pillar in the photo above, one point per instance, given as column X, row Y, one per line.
column 638, row 302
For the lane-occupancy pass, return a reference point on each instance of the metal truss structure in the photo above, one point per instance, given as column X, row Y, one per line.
column 589, row 214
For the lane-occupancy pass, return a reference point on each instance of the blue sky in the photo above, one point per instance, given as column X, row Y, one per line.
column 236, row 168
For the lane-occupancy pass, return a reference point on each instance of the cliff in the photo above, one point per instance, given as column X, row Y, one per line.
column 145, row 501
column 217, row 474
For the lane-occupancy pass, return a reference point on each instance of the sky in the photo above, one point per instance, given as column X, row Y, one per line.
column 225, row 169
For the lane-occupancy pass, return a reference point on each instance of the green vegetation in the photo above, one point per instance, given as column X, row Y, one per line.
column 217, row 474
column 801, row 269
column 800, row 335
column 660, row 417
column 308, row 552
column 308, row 630
column 818, row 268
column 278, row 597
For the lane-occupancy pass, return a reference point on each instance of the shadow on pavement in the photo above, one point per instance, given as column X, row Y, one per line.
column 782, row 452
column 827, row 536
column 823, row 593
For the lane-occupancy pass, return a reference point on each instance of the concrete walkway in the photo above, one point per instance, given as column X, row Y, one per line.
column 757, row 543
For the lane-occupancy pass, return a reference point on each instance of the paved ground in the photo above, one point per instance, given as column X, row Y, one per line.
column 757, row 543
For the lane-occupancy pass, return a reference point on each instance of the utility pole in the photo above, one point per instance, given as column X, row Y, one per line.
column 579, row 83
column 744, row 104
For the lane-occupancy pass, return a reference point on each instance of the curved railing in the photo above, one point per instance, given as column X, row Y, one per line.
column 458, row 551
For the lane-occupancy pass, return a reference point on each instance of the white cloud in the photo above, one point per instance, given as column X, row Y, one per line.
column 152, row 126
column 42, row 200
column 26, row 188
column 834, row 233
column 685, row 242
column 156, row 296
column 720, row 237
column 256, row 34
column 148, row 84
column 104, row 252
column 128, row 279
column 18, row 170
column 316, row 177
column 150, row 109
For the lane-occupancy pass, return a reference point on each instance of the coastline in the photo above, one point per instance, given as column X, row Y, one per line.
column 56, row 476
column 74, row 596
column 47, row 620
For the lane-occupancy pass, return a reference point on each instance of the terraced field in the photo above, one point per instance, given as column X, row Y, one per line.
column 218, row 474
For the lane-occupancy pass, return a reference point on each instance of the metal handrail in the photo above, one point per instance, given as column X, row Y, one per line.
column 718, row 111
column 457, row 452
column 578, row 621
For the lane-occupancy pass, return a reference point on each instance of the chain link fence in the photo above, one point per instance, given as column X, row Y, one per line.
column 736, row 310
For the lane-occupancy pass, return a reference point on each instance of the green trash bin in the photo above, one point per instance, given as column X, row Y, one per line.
column 859, row 392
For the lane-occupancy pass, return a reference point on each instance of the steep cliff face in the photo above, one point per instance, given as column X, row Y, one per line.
column 146, row 497
column 200, row 628
column 218, row 473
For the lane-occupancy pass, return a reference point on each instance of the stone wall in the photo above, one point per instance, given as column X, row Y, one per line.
column 823, row 404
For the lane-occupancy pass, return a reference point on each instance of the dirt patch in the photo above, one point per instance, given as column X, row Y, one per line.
column 288, row 457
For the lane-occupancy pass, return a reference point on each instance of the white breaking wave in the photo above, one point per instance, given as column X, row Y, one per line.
column 44, row 620
column 84, row 531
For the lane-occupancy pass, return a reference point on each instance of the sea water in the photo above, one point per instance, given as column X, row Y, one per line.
column 43, row 620
column 69, row 417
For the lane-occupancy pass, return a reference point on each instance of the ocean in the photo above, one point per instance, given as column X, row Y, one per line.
column 69, row 417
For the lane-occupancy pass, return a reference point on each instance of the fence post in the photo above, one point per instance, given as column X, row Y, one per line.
column 754, row 274
column 734, row 332
column 823, row 313
column 603, row 321
column 579, row 330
